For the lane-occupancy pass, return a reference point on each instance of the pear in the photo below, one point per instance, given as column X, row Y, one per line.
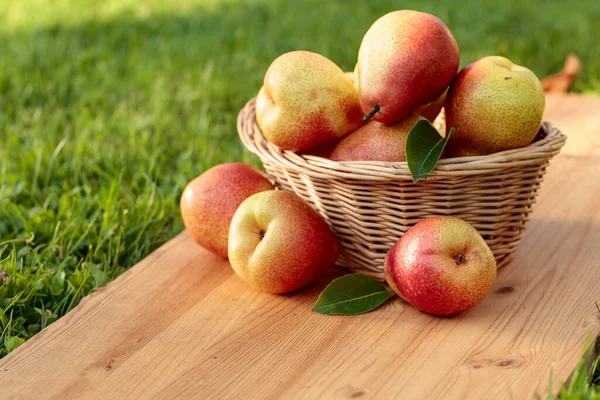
column 210, row 200
column 306, row 101
column 441, row 266
column 406, row 59
column 494, row 105
column 376, row 142
column 278, row 243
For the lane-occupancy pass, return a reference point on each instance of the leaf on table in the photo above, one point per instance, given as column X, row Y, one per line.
column 351, row 295
column 424, row 147
column 562, row 81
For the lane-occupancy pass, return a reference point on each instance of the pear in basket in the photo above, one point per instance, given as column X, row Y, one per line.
column 494, row 105
column 406, row 59
column 376, row 142
column 306, row 101
column 429, row 110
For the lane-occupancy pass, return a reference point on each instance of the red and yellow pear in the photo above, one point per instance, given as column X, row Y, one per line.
column 278, row 243
column 494, row 105
column 376, row 142
column 306, row 101
column 441, row 266
column 406, row 59
column 210, row 200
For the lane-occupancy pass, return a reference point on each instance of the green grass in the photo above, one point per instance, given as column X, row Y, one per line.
column 584, row 383
column 108, row 108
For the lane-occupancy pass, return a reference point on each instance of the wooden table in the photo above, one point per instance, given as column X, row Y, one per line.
column 180, row 324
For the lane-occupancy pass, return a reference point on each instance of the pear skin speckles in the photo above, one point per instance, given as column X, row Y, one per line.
column 441, row 266
column 312, row 102
column 376, row 142
column 296, row 245
column 406, row 59
column 494, row 105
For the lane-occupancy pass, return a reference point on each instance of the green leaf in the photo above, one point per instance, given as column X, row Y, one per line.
column 351, row 295
column 96, row 273
column 12, row 342
column 57, row 283
column 424, row 146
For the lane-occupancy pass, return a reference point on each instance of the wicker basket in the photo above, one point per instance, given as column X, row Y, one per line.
column 370, row 205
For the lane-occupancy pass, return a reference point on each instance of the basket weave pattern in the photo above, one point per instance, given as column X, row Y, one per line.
column 369, row 205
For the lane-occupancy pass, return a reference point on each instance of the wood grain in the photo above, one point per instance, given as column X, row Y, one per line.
column 180, row 324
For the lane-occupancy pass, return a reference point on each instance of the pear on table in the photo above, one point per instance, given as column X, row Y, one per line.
column 210, row 200
column 278, row 243
column 406, row 59
column 441, row 266
column 494, row 105
column 306, row 101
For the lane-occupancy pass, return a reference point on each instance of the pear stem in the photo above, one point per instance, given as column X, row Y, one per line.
column 373, row 112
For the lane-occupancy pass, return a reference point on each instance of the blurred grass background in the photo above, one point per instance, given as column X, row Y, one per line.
column 107, row 110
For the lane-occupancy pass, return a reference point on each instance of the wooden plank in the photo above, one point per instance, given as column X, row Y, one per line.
column 181, row 324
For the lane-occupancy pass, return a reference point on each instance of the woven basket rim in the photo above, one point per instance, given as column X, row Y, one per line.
column 537, row 152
